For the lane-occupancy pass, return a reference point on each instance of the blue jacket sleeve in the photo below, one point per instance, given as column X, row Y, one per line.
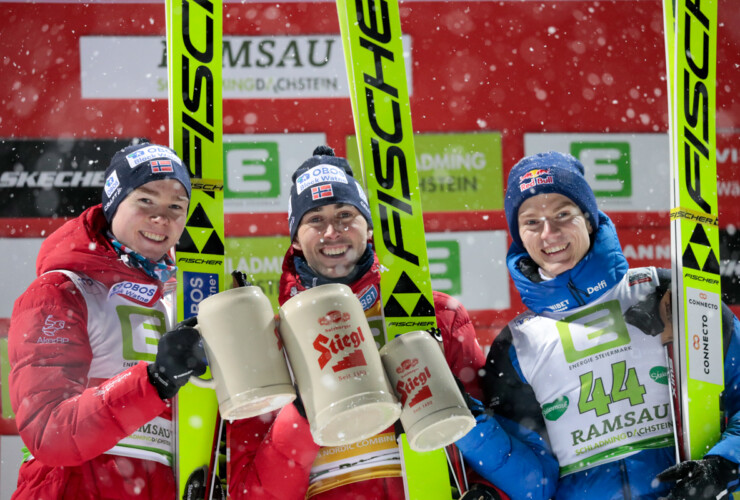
column 511, row 449
column 729, row 444
column 516, row 460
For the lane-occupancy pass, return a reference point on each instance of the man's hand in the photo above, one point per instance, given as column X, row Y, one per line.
column 700, row 479
column 179, row 354
column 650, row 314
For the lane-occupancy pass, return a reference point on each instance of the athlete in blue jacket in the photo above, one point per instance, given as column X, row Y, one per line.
column 577, row 384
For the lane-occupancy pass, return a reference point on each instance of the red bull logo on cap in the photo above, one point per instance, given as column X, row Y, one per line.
column 535, row 177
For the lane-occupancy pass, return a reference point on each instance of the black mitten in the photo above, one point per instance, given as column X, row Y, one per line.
column 479, row 491
column 700, row 479
column 179, row 354
column 645, row 315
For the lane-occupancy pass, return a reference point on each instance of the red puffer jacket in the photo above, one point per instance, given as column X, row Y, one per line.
column 66, row 419
column 271, row 456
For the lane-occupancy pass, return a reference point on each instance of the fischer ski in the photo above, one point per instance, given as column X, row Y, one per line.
column 697, row 347
column 371, row 38
column 194, row 41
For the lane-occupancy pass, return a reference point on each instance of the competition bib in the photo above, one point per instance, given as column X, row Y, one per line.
column 601, row 382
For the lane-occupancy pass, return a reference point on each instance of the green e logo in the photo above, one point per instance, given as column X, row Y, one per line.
column 251, row 170
column 153, row 321
column 608, row 166
column 444, row 266
column 593, row 330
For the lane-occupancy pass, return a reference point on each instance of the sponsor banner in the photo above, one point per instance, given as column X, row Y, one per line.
column 19, row 269
column 728, row 179
column 457, row 172
column 628, row 172
column 471, row 267
column 258, row 169
column 261, row 259
column 648, row 246
column 254, row 67
column 53, row 177
column 454, row 264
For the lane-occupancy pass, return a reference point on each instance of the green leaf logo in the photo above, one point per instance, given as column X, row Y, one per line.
column 659, row 374
column 555, row 410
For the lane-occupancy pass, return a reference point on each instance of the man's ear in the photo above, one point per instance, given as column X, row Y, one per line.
column 588, row 227
column 296, row 245
column 369, row 234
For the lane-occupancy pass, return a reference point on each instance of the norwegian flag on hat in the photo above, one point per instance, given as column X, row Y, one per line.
column 161, row 166
column 323, row 191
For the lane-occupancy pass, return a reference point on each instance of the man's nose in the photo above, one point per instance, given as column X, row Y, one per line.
column 548, row 228
column 160, row 217
column 331, row 229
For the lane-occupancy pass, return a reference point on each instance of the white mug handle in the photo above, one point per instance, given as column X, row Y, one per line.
column 206, row 383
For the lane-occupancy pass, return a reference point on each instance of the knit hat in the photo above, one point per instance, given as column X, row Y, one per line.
column 550, row 172
column 321, row 180
column 134, row 166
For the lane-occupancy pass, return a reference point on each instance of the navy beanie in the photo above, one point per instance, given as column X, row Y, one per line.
column 134, row 166
column 321, row 180
column 550, row 172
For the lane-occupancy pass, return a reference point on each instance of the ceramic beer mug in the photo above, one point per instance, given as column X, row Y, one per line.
column 434, row 412
column 250, row 373
column 336, row 366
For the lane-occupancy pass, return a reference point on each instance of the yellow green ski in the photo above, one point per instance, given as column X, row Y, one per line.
column 691, row 48
column 194, row 41
column 371, row 37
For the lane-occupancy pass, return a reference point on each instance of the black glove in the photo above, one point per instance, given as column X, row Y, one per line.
column 645, row 315
column 700, row 479
column 179, row 354
column 479, row 491
column 195, row 488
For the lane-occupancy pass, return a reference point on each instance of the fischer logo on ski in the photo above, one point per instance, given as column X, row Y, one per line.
column 697, row 348
column 373, row 50
column 385, row 137
column 194, row 41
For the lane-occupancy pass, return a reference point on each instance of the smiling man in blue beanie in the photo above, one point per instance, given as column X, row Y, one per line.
column 572, row 409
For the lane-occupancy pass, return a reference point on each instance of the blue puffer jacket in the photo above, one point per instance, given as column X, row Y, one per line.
column 511, row 449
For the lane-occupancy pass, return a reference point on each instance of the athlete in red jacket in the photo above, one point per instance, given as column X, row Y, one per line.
column 89, row 381
column 274, row 456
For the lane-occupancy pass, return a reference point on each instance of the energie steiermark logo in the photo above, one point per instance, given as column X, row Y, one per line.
column 593, row 330
column 252, row 170
column 608, row 166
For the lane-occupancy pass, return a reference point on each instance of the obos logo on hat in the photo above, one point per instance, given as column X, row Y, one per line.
column 320, row 174
column 324, row 179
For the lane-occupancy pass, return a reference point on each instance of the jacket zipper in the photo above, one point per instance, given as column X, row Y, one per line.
column 577, row 293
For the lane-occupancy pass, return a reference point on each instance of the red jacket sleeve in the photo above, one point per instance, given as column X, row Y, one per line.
column 61, row 420
column 270, row 456
column 462, row 350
